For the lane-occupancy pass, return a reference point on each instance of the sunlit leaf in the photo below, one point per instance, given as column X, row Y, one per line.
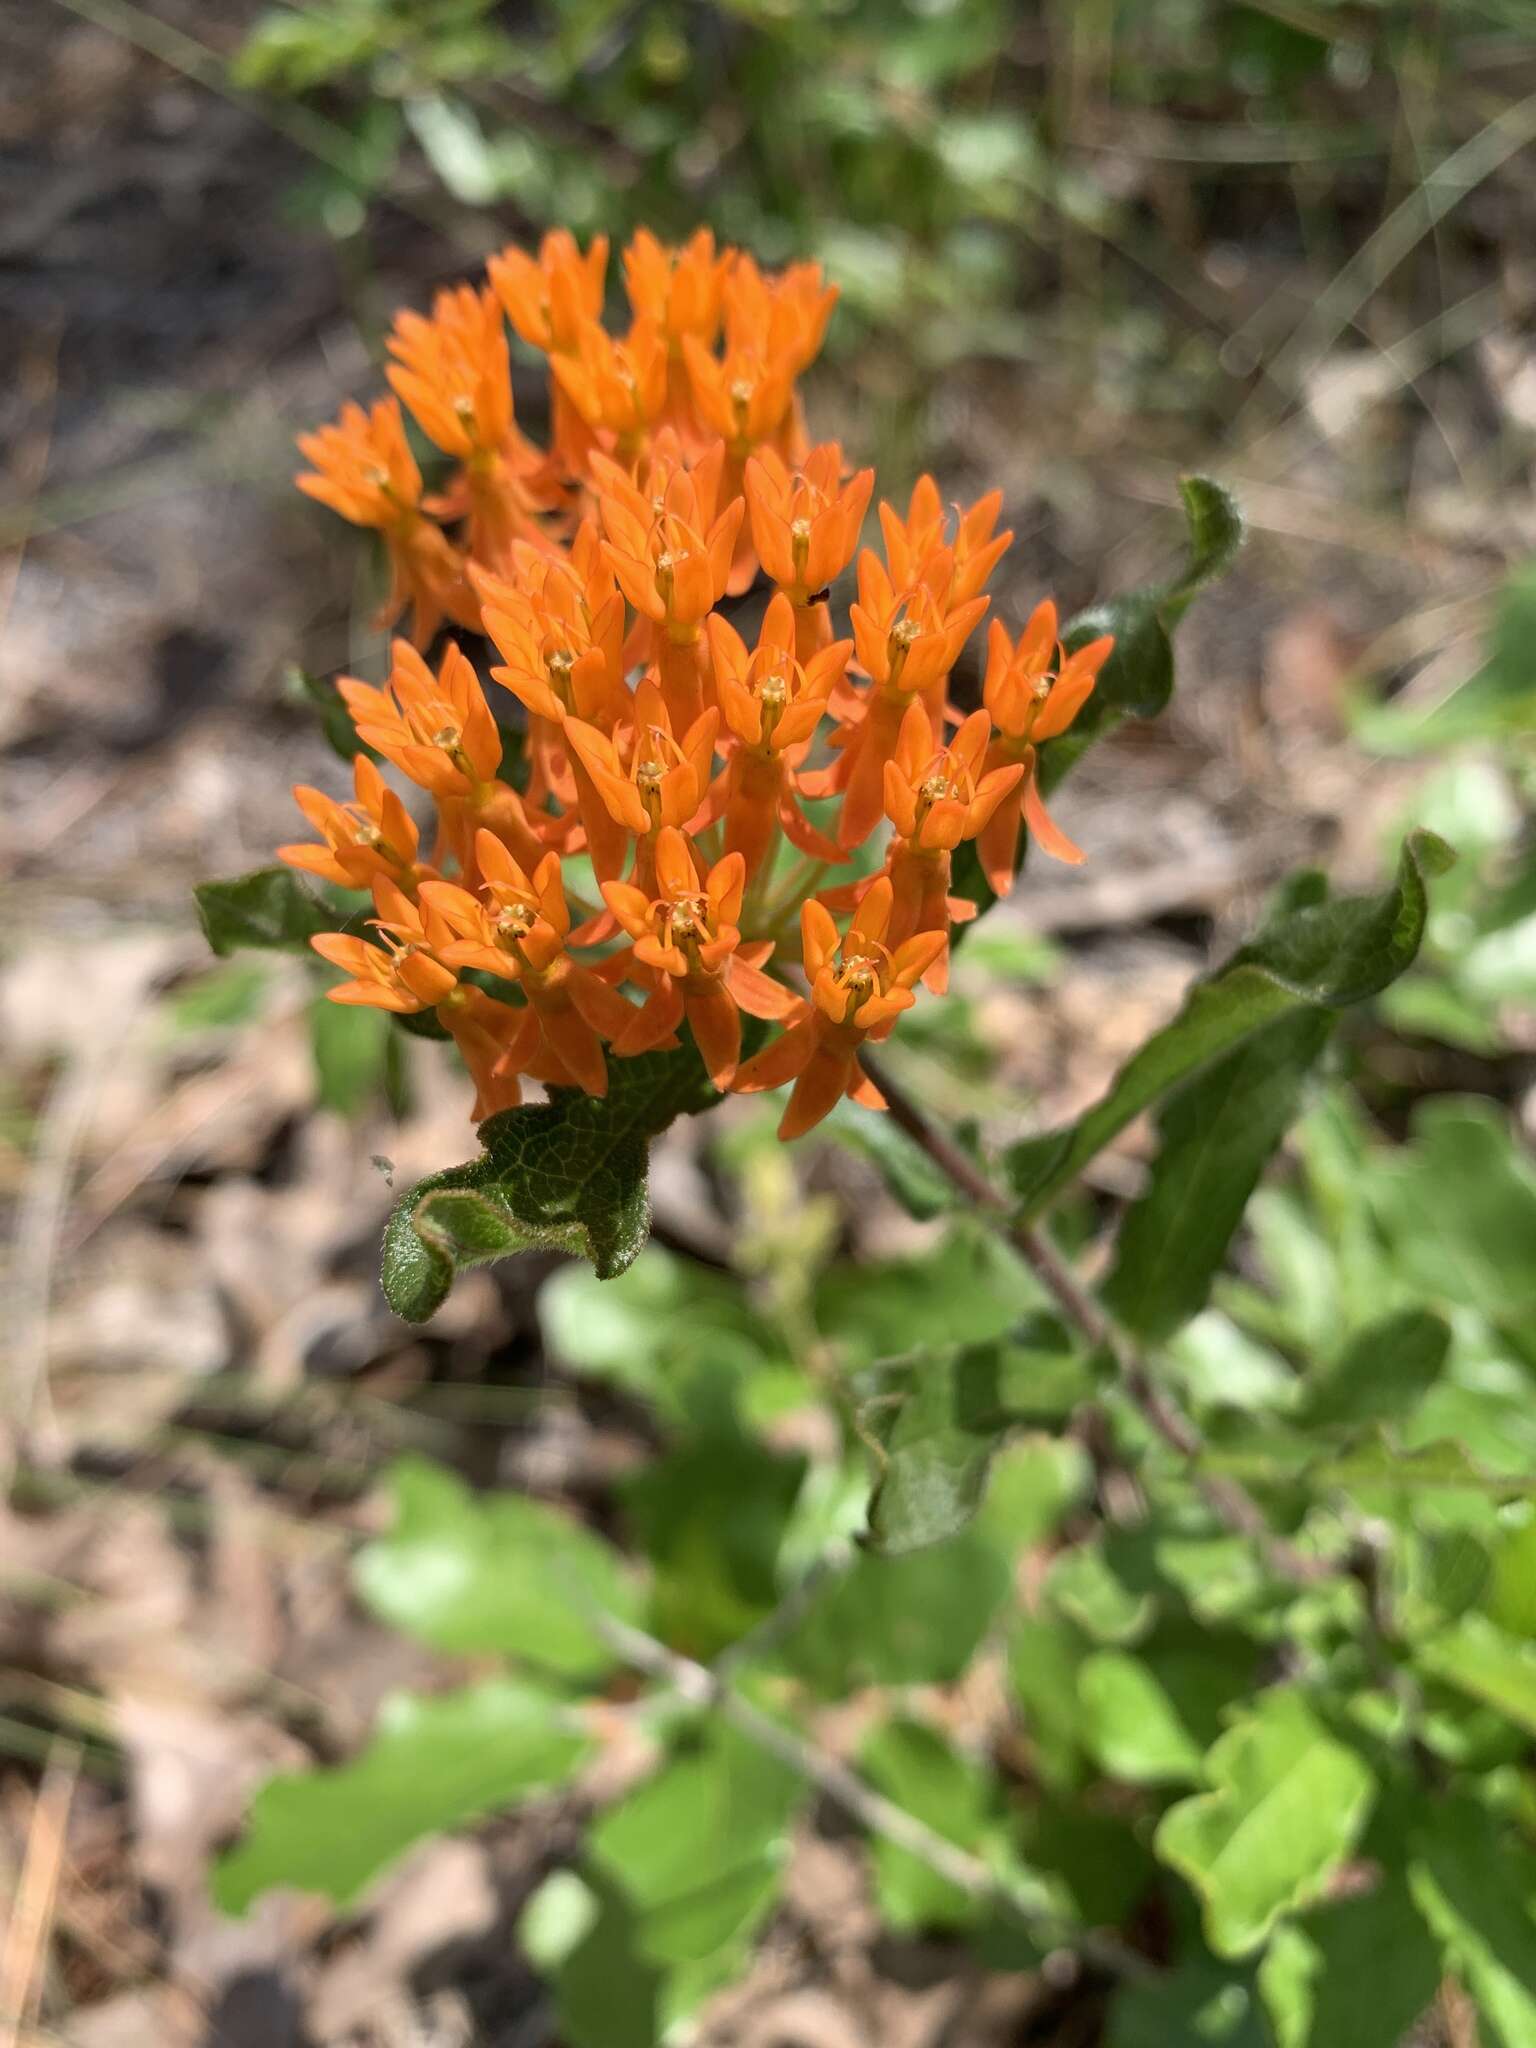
column 499, row 1573
column 432, row 1764
column 1287, row 1805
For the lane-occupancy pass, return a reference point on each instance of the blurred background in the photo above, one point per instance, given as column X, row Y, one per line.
column 1083, row 245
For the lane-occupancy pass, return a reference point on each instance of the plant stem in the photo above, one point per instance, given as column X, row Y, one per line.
column 699, row 1686
column 1232, row 1502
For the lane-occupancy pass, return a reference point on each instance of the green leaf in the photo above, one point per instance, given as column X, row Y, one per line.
column 1287, row 1806
column 350, row 1043
column 698, row 1848
column 1215, row 535
column 218, row 1000
column 320, row 695
column 432, row 1764
column 1148, row 1718
column 914, row 1766
column 452, row 143
column 565, row 1175
column 908, row 1173
column 1357, row 1970
column 673, row 1331
column 939, row 1418
column 271, row 908
column 1458, row 1206
column 500, row 1574
column 913, row 1620
column 1216, row 1135
column 1385, row 1372
column 711, row 1517
column 1045, row 1656
column 1201, row 2004
column 1475, row 1883
column 1477, row 1658
column 1324, row 955
column 970, row 1288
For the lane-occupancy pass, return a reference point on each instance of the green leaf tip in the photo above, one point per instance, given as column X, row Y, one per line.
column 271, row 909
column 1324, row 954
column 565, row 1175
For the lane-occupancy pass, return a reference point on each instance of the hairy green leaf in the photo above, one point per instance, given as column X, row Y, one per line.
column 432, row 1764
column 271, row 908
column 500, row 1574
column 939, row 1418
column 1323, row 955
column 1287, row 1806
column 564, row 1175
column 1149, row 1715
column 1216, row 1134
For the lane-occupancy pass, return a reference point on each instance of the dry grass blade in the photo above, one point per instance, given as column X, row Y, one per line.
column 26, row 1947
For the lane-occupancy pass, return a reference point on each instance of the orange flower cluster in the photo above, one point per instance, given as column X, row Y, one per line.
column 710, row 784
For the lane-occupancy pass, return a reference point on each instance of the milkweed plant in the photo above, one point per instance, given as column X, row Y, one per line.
column 694, row 766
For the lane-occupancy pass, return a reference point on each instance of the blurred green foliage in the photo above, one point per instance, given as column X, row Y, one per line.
column 930, row 152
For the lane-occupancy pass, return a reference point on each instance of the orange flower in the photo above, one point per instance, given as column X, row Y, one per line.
column 551, row 302
column 666, row 544
column 678, row 291
column 935, row 799
column 907, row 641
column 375, row 835
column 645, row 776
column 618, row 387
column 550, row 298
column 672, row 556
column 404, row 973
column 771, row 704
column 784, row 317
column 859, row 987
column 1033, row 690
column 454, row 373
column 917, row 550
column 745, row 398
column 407, row 974
column 517, row 928
column 560, row 627
column 687, row 941
column 439, row 731
column 364, row 469
column 805, row 524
